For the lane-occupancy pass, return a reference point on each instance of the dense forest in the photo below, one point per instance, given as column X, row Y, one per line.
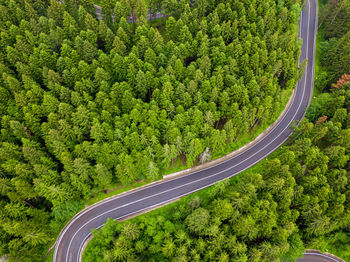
column 86, row 102
column 298, row 198
column 334, row 42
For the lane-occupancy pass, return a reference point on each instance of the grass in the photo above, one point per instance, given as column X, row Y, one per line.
column 320, row 85
column 336, row 244
column 112, row 191
column 319, row 54
column 101, row 194
column 241, row 141
column 177, row 166
column 326, row 244
column 96, row 196
column 50, row 257
column 168, row 210
column 318, row 67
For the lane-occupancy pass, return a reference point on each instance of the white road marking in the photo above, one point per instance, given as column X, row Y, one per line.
column 305, row 77
column 321, row 255
column 130, row 203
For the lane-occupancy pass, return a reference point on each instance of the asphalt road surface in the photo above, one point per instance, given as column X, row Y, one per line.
column 315, row 257
column 98, row 11
column 72, row 238
column 149, row 15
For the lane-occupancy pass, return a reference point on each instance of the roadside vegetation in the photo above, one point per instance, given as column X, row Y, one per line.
column 297, row 199
column 332, row 43
column 90, row 104
column 333, row 49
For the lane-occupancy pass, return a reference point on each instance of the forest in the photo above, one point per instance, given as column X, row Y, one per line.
column 86, row 103
column 298, row 198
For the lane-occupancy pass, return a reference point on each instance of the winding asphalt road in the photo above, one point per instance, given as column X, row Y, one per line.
column 317, row 257
column 78, row 230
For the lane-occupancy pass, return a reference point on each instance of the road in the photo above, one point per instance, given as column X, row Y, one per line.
column 98, row 11
column 316, row 257
column 72, row 238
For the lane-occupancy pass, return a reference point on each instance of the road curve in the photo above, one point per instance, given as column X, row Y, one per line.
column 317, row 257
column 78, row 230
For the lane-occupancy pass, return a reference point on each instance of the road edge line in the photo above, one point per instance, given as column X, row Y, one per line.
column 127, row 218
column 186, row 171
column 237, row 151
column 318, row 252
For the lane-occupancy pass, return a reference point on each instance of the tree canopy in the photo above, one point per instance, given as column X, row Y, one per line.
column 335, row 28
column 295, row 200
column 86, row 103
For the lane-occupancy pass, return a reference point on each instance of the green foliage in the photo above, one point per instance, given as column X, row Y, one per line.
column 299, row 199
column 86, row 103
column 62, row 213
column 337, row 18
column 335, row 243
column 338, row 57
column 335, row 27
